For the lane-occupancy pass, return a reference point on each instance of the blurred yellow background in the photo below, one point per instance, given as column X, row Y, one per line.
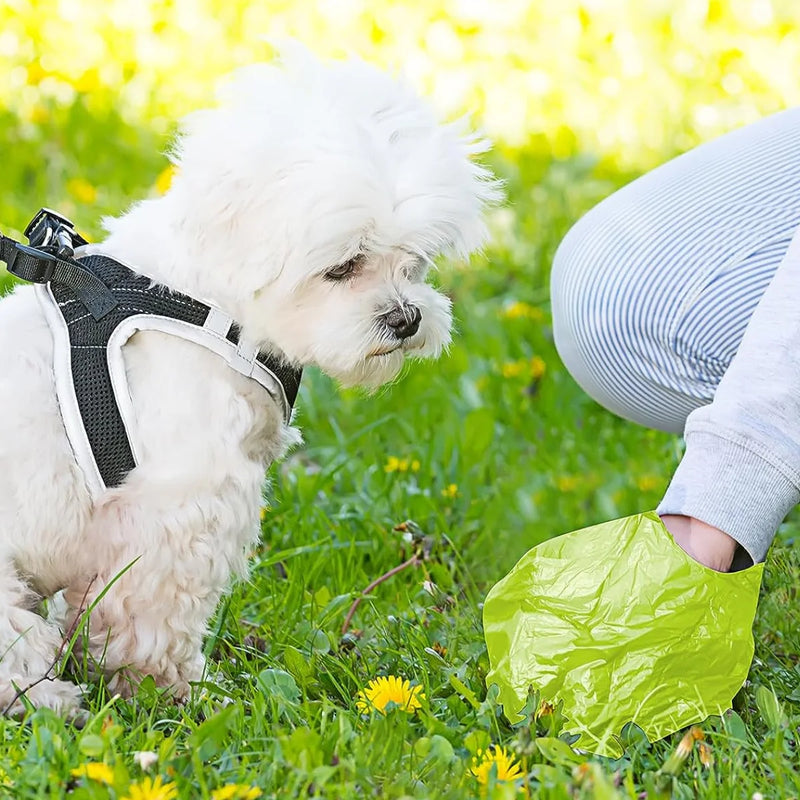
column 632, row 80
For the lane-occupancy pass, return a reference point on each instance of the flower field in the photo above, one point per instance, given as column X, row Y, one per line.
column 352, row 663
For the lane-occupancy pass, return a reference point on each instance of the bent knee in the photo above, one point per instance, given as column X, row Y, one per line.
column 590, row 301
column 608, row 323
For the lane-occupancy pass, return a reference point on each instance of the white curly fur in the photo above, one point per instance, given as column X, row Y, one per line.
column 301, row 167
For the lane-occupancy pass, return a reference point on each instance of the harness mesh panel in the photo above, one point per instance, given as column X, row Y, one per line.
column 88, row 338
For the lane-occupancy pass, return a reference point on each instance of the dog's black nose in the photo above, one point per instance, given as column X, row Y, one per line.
column 403, row 321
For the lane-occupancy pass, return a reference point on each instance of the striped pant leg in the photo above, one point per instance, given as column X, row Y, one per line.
column 653, row 289
column 677, row 300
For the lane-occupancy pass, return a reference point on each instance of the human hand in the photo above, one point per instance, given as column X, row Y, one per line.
column 703, row 542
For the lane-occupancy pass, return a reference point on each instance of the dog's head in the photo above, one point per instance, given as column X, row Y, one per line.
column 327, row 191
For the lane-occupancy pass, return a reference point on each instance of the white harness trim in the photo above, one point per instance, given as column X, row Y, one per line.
column 65, row 391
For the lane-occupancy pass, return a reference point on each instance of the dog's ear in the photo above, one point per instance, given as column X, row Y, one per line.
column 460, row 190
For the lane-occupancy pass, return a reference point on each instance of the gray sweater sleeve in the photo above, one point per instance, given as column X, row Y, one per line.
column 741, row 469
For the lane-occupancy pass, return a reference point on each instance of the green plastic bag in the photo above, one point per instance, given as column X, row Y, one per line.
column 622, row 625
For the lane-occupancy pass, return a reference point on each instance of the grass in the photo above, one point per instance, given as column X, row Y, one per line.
column 487, row 452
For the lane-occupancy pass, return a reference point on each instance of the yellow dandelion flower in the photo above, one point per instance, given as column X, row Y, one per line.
column 100, row 773
column 507, row 769
column 82, row 190
column 377, row 34
column 450, row 491
column 88, row 82
column 392, row 464
column 538, row 367
column 535, row 367
column 151, row 789
column 395, row 464
column 236, row 791
column 164, row 179
column 513, row 369
column 390, row 689
column 646, row 483
column 39, row 114
column 516, row 310
column 567, row 483
column 36, row 73
column 520, row 310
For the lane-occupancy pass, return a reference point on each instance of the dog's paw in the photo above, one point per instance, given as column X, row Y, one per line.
column 126, row 683
column 123, row 682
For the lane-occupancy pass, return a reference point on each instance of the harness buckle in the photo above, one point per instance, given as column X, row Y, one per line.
column 51, row 230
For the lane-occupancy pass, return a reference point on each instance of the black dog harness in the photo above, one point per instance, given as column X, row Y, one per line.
column 93, row 305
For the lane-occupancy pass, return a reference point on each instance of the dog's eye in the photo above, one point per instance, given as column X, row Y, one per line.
column 345, row 270
column 416, row 269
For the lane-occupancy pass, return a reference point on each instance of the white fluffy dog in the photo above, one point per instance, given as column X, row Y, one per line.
column 308, row 205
